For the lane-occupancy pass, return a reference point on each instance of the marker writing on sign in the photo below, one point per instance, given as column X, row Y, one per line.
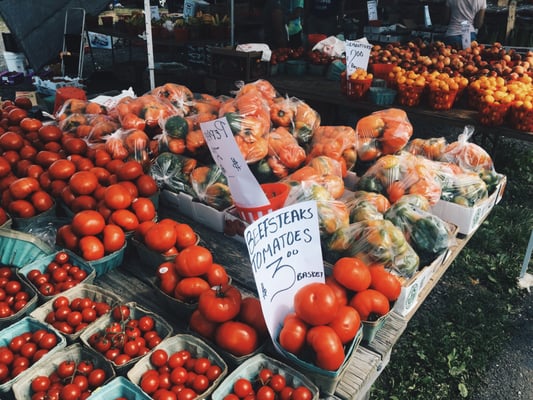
column 217, row 133
column 272, row 225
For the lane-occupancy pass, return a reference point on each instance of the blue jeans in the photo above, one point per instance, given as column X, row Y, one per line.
column 457, row 40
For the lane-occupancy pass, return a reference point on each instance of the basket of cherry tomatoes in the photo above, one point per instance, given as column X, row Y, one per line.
column 56, row 273
column 125, row 334
column 75, row 309
column 190, row 362
column 17, row 297
column 24, row 346
column 73, row 373
column 263, row 377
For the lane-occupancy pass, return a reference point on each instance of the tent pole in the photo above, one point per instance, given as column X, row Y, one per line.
column 232, row 22
column 149, row 43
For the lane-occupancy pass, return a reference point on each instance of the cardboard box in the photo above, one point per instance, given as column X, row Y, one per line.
column 468, row 219
column 412, row 288
column 187, row 205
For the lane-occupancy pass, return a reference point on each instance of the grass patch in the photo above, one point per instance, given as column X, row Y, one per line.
column 468, row 318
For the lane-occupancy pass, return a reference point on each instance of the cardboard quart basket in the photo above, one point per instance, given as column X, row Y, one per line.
column 27, row 309
column 119, row 387
column 82, row 290
column 42, row 264
column 197, row 347
column 468, row 219
column 163, row 328
column 251, row 368
column 325, row 380
column 18, row 248
column 28, row 324
column 76, row 353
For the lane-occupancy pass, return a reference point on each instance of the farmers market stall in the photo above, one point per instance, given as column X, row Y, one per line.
column 123, row 238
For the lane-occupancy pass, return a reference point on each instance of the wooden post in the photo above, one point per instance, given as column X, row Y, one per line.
column 510, row 20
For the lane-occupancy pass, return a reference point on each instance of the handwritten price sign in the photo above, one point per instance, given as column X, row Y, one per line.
column 357, row 55
column 244, row 188
column 284, row 250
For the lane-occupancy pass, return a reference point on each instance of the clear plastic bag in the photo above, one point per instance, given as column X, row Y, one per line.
column 211, row 186
column 337, row 142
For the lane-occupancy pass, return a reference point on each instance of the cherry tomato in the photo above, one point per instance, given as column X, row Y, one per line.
column 149, row 382
column 242, row 387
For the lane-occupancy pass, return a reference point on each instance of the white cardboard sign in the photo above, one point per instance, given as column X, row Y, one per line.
column 244, row 188
column 372, row 7
column 357, row 55
column 285, row 253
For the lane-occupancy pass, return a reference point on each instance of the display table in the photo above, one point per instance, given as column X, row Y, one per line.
column 318, row 89
column 132, row 281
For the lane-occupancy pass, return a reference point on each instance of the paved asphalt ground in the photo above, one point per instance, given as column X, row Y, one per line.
column 509, row 377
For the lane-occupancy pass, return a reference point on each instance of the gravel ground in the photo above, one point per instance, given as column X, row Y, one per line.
column 509, row 377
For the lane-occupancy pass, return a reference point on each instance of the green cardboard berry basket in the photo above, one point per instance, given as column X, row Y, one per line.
column 18, row 248
column 95, row 293
column 27, row 324
column 75, row 352
column 119, row 387
column 136, row 311
column 250, row 368
column 197, row 347
column 27, row 309
column 42, row 263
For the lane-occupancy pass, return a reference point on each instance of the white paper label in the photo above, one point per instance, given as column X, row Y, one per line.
column 357, row 55
column 372, row 7
column 244, row 188
column 465, row 34
column 154, row 10
column 285, row 253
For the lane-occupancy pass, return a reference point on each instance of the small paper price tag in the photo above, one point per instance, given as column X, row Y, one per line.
column 244, row 188
column 154, row 10
column 372, row 7
column 465, row 34
column 285, row 253
column 357, row 55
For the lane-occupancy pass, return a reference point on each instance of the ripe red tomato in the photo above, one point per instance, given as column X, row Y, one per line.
column 159, row 358
column 160, row 237
column 23, row 187
column 242, row 388
column 346, row 323
column 126, row 219
column 121, row 312
column 66, row 369
column 97, row 377
column 327, row 346
column 220, row 304
column 301, row 393
column 48, row 341
column 130, row 171
column 370, row 303
column 190, row 289
column 50, row 133
column 144, row 209
column 70, row 391
column 88, row 222
column 61, row 169
column 91, row 248
column 292, row 336
column 83, row 182
column 146, row 185
column 149, row 382
column 201, row 325
column 146, row 323
column 117, row 197
column 385, row 282
column 352, row 273
column 40, row 383
column 316, row 303
column 340, row 291
column 113, row 238
column 237, row 338
column 193, row 261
